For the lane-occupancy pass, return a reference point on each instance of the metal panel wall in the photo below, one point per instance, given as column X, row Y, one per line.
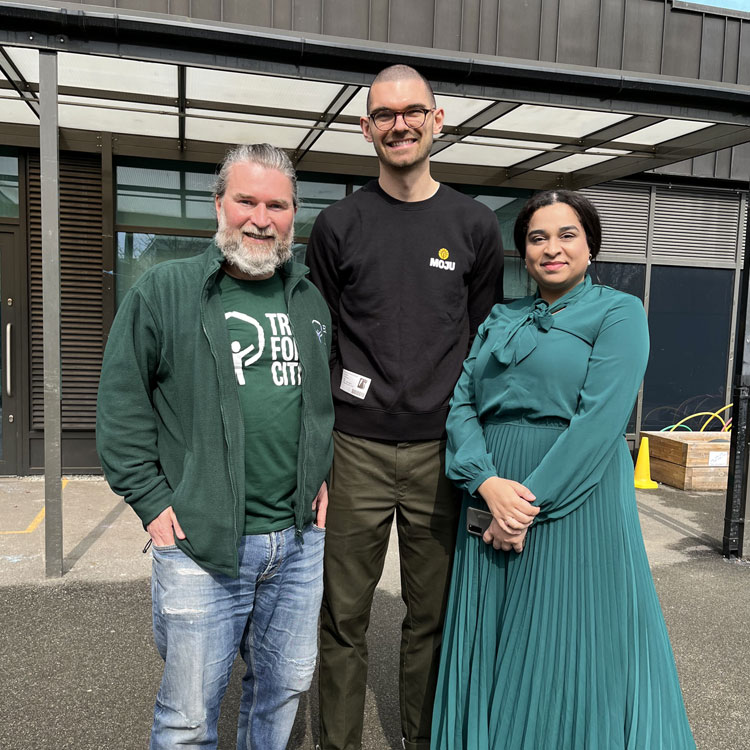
column 578, row 20
column 379, row 20
column 683, row 36
column 611, row 33
column 518, row 34
column 712, row 48
column 308, row 16
column 649, row 36
column 351, row 16
column 549, row 22
column 256, row 13
column 489, row 23
column 413, row 23
column 642, row 36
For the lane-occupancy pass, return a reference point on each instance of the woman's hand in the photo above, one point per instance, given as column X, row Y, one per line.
column 510, row 504
column 501, row 540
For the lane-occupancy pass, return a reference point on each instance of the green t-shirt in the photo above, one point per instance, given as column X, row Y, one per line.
column 266, row 365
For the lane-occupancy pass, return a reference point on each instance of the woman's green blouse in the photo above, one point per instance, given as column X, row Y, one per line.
column 579, row 361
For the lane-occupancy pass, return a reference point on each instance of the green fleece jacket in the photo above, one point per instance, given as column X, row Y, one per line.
column 169, row 424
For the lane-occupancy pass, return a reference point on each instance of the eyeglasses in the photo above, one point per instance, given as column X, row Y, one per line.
column 413, row 117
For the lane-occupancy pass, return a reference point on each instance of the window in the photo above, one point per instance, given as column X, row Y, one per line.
column 139, row 251
column 154, row 197
column 9, row 187
column 516, row 281
column 506, row 205
column 313, row 197
column 627, row 277
column 689, row 320
column 165, row 197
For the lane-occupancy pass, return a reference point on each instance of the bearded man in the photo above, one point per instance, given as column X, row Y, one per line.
column 207, row 429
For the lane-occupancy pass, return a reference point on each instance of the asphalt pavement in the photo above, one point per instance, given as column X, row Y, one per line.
column 78, row 668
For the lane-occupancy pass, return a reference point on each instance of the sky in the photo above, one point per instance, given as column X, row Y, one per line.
column 726, row 4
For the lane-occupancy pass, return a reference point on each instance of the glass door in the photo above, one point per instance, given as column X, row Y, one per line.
column 10, row 339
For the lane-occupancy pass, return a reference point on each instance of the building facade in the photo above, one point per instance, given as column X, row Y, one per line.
column 639, row 103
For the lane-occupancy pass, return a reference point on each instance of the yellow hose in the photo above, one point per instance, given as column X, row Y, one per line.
column 711, row 414
column 716, row 414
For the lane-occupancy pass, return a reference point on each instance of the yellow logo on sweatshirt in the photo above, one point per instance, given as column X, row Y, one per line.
column 442, row 260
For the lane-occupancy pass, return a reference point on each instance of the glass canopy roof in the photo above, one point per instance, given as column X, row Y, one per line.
column 503, row 142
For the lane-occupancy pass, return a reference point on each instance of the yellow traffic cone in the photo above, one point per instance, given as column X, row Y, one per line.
column 643, row 479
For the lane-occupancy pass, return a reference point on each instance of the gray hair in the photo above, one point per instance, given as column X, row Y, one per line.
column 264, row 154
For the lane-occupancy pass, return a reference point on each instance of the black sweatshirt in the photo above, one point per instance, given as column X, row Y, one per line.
column 407, row 285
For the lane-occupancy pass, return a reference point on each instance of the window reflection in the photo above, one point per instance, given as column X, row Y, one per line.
column 9, row 187
column 313, row 198
column 183, row 199
column 506, row 208
column 689, row 320
column 516, row 281
column 137, row 252
column 627, row 277
column 165, row 198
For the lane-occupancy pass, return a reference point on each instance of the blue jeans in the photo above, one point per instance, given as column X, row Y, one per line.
column 269, row 613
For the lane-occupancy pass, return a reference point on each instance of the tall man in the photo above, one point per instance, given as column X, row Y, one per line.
column 409, row 268
column 214, row 423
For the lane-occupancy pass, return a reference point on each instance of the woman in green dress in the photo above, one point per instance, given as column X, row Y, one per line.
column 554, row 638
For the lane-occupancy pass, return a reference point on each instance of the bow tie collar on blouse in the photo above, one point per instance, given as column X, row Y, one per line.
column 522, row 335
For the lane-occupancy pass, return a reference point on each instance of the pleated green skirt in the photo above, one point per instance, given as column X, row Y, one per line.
column 564, row 646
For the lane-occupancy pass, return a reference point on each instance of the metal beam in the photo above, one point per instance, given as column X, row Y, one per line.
column 344, row 96
column 50, row 167
column 599, row 139
column 18, row 82
column 109, row 241
column 97, row 93
column 181, row 104
column 473, row 125
column 688, row 146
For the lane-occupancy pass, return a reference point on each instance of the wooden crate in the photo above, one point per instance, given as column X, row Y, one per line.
column 689, row 460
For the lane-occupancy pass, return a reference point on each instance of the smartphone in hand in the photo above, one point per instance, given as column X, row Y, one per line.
column 477, row 521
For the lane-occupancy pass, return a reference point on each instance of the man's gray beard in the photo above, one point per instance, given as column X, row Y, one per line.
column 248, row 261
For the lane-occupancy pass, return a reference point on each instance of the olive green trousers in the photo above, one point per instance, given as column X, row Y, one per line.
column 370, row 480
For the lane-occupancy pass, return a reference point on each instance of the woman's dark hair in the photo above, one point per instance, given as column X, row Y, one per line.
column 583, row 207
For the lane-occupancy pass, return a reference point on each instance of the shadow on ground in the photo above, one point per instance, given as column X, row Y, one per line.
column 80, row 671
column 382, row 725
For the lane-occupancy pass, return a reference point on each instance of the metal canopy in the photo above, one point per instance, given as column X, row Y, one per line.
column 159, row 84
column 507, row 124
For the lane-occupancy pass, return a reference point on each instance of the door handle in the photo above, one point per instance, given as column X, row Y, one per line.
column 8, row 363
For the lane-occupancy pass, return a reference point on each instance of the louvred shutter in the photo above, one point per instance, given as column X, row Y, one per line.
column 81, row 339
